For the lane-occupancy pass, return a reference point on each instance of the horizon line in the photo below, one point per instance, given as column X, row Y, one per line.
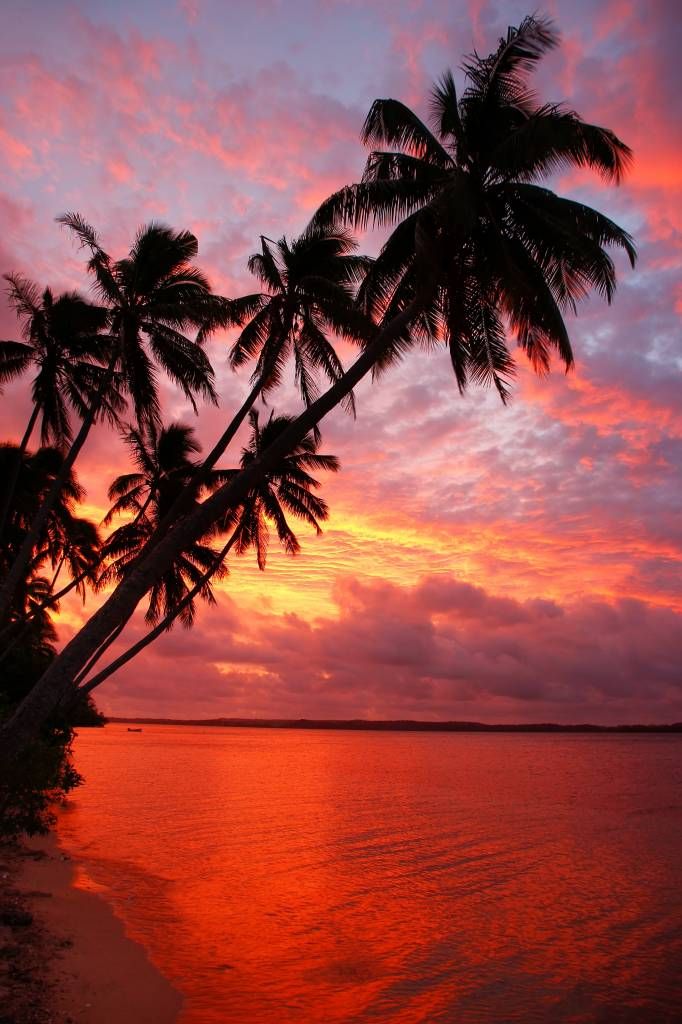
column 399, row 724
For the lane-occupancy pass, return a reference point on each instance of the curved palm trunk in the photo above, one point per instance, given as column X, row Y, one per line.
column 184, row 501
column 12, row 482
column 163, row 625
column 19, row 566
column 114, row 635
column 54, row 686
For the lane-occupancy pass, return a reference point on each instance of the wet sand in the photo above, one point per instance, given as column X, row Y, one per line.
column 77, row 959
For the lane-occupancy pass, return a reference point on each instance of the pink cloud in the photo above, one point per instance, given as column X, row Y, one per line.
column 440, row 649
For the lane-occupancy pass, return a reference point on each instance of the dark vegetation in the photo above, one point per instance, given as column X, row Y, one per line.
column 478, row 253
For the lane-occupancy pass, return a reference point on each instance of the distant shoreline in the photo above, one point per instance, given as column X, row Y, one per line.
column 407, row 725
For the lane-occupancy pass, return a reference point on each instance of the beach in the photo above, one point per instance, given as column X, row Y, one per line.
column 73, row 962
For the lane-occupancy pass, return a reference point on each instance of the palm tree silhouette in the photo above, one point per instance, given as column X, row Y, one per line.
column 67, row 540
column 165, row 466
column 62, row 341
column 152, row 295
column 309, row 291
column 288, row 488
column 452, row 196
column 479, row 246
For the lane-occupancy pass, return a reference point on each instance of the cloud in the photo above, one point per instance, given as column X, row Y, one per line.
column 439, row 649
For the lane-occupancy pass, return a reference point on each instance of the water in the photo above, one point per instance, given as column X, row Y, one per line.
column 297, row 877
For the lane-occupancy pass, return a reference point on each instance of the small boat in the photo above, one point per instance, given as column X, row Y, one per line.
column 134, row 730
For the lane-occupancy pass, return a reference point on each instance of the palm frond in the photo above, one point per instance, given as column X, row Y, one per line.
column 391, row 123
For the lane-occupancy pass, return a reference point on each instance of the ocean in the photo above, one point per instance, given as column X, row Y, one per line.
column 315, row 877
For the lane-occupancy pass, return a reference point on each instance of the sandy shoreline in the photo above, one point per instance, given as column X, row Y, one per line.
column 94, row 973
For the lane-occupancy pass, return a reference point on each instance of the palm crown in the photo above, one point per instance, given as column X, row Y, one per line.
column 309, row 288
column 66, row 540
column 62, row 341
column 287, row 487
column 165, row 466
column 154, row 295
column 479, row 246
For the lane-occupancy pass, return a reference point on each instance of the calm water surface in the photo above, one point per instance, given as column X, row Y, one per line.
column 292, row 877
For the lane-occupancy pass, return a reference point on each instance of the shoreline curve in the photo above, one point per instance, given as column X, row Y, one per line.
column 99, row 974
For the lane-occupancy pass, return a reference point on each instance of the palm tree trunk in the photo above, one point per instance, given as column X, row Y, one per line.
column 12, row 482
column 184, row 501
column 114, row 635
column 19, row 566
column 57, row 681
column 163, row 625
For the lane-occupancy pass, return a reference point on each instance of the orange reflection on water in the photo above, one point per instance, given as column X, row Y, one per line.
column 296, row 877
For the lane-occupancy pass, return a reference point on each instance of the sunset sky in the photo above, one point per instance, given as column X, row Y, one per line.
column 481, row 562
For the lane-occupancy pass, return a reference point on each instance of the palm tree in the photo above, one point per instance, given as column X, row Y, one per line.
column 63, row 342
column 309, row 290
column 479, row 246
column 152, row 296
column 68, row 541
column 287, row 488
column 447, row 200
column 165, row 467
column 309, row 287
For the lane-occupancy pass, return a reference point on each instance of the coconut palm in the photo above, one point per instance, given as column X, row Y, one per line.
column 63, row 343
column 152, row 296
column 165, row 465
column 468, row 185
column 309, row 287
column 287, row 488
column 67, row 541
column 479, row 246
column 62, row 340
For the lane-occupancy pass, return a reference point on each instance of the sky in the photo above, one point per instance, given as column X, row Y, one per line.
column 480, row 562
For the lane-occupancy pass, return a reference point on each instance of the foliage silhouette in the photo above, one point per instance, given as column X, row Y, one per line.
column 485, row 246
column 152, row 295
column 62, row 342
column 477, row 247
column 288, row 487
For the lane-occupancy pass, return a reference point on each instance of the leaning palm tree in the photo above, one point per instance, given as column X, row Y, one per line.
column 287, row 488
column 469, row 215
column 62, row 342
column 479, row 246
column 308, row 292
column 152, row 296
column 67, row 542
column 165, row 465
column 309, row 287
